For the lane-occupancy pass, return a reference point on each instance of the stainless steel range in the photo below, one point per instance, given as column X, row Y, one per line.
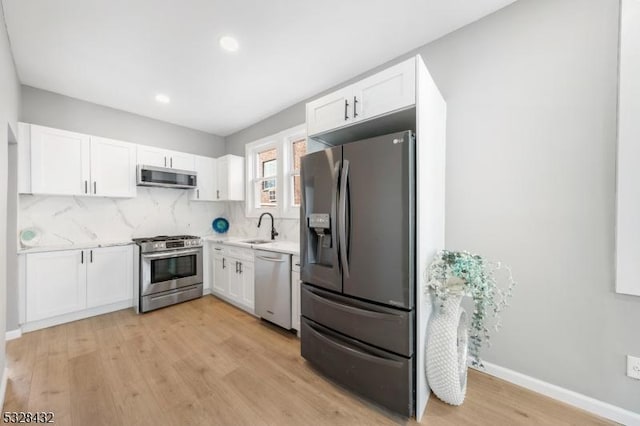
column 170, row 270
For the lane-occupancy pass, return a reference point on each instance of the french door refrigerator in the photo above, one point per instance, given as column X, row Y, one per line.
column 358, row 267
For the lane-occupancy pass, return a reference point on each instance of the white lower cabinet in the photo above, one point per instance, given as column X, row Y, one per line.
column 233, row 275
column 109, row 274
column 56, row 284
column 295, row 293
column 68, row 281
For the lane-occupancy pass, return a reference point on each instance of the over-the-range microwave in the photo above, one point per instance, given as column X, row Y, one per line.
column 166, row 177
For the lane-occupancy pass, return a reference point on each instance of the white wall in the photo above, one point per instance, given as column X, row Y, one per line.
column 9, row 105
column 531, row 144
column 55, row 110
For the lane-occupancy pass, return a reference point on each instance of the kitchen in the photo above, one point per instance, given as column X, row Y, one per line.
column 126, row 194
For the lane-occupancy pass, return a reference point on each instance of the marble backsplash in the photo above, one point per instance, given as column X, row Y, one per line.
column 66, row 220
column 79, row 220
column 242, row 226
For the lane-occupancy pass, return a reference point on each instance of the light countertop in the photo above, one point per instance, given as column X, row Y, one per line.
column 288, row 247
column 74, row 246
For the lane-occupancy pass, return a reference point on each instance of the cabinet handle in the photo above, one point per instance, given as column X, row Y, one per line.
column 165, row 161
column 240, row 267
column 95, row 187
column 82, row 257
column 91, row 256
column 223, row 263
column 355, row 102
column 346, row 109
column 171, row 162
column 218, row 194
column 236, row 267
column 198, row 192
column 86, row 183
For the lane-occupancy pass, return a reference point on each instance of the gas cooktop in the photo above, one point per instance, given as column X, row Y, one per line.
column 165, row 238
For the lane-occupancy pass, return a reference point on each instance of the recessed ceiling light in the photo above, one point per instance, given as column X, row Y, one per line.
column 163, row 99
column 229, row 43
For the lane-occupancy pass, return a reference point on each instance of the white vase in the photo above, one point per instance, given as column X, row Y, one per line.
column 446, row 351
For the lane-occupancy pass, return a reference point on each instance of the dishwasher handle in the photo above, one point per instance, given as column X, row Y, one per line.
column 271, row 259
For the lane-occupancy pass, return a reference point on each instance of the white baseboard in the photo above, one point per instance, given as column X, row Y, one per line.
column 206, row 291
column 592, row 405
column 74, row 316
column 3, row 386
column 13, row 334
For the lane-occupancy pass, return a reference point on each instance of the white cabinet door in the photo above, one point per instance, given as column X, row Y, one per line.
column 235, row 279
column 295, row 300
column 181, row 160
column 109, row 275
column 206, row 168
column 59, row 162
column 220, row 274
column 113, row 168
column 56, row 283
column 330, row 111
column 247, row 273
column 230, row 173
column 150, row 156
column 386, row 91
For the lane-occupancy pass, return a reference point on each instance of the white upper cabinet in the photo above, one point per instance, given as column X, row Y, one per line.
column 386, row 91
column 113, row 168
column 150, row 156
column 181, row 160
column 59, row 162
column 230, row 178
column 158, row 157
column 67, row 163
column 207, row 179
column 330, row 111
column 382, row 93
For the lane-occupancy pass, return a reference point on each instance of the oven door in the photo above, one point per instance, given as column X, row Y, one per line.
column 170, row 270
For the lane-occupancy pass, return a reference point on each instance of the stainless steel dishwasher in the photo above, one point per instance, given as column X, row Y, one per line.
column 273, row 287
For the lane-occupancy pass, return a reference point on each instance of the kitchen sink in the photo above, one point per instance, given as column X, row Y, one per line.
column 255, row 241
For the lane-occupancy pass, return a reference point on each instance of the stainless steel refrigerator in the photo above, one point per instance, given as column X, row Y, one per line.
column 358, row 267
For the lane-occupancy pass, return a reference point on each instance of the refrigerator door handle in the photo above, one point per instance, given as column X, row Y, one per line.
column 335, row 199
column 342, row 219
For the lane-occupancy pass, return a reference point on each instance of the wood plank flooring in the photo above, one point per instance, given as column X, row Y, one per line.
column 205, row 362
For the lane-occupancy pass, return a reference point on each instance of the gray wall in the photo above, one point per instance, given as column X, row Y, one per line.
column 55, row 110
column 9, row 105
column 531, row 93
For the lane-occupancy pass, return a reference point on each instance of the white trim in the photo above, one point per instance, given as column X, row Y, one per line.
column 13, row 334
column 280, row 141
column 592, row 405
column 74, row 316
column 3, row 385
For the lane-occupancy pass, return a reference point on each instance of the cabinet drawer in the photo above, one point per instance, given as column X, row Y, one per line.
column 239, row 253
column 378, row 375
column 387, row 328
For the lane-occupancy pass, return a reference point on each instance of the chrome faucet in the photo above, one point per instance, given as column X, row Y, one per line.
column 273, row 230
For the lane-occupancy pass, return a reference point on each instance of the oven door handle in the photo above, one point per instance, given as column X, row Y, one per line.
column 168, row 254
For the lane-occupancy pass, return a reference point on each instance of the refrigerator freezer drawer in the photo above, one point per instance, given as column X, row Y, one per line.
column 384, row 327
column 384, row 378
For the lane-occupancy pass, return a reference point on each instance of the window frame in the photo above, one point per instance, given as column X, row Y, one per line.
column 283, row 143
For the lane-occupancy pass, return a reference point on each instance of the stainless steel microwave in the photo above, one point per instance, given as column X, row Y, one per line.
column 166, row 177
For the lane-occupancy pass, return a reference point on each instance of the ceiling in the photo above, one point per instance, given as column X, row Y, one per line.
column 121, row 53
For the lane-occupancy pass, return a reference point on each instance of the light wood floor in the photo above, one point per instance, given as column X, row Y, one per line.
column 207, row 363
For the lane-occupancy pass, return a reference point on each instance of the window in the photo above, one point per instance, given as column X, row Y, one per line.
column 273, row 173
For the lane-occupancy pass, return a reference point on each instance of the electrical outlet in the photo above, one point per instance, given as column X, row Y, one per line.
column 633, row 367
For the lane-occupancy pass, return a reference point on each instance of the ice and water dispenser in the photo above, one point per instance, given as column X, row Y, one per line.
column 319, row 225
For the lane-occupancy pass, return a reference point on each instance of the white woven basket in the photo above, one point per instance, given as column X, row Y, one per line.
column 446, row 351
